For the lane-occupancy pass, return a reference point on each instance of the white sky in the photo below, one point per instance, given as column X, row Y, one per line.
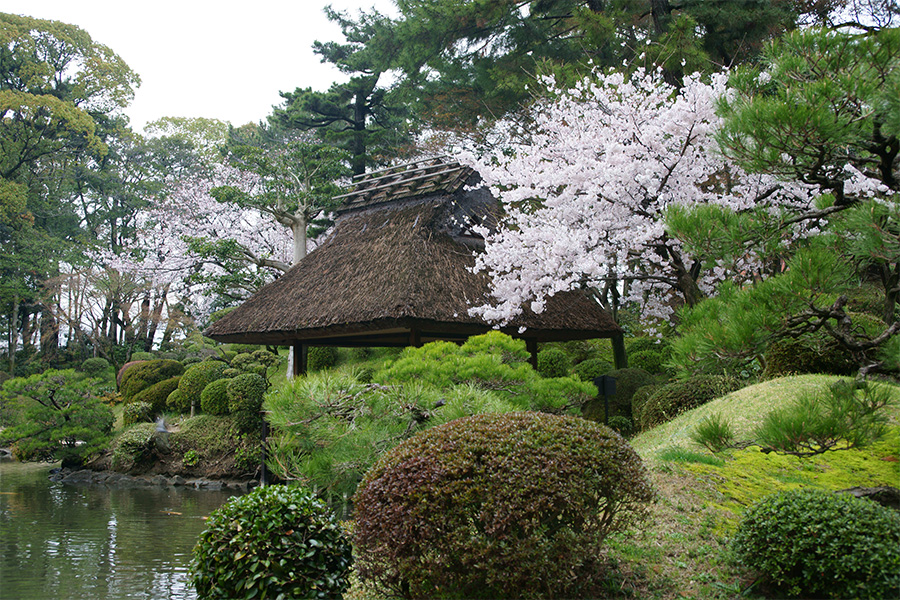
column 199, row 58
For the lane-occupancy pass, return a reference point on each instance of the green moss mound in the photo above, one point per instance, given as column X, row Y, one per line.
column 275, row 542
column 813, row 543
column 470, row 509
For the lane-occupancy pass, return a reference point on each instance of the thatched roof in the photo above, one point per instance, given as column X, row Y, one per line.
column 395, row 272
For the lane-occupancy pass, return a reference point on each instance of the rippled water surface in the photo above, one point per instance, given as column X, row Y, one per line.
column 93, row 542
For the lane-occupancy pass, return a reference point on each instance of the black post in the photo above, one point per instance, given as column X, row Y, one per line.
column 606, row 386
column 263, row 475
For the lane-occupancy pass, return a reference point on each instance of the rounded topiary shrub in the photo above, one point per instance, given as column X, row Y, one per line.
column 789, row 356
column 321, row 357
column 813, row 543
column 275, row 542
column 553, row 362
column 143, row 375
column 142, row 356
column 245, row 399
column 136, row 412
column 176, row 402
column 592, row 368
column 214, row 398
column 196, row 377
column 652, row 361
column 627, row 382
column 671, row 400
column 470, row 509
column 639, row 399
column 157, row 394
column 94, row 366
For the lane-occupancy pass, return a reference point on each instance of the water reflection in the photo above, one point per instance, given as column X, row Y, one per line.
column 79, row 542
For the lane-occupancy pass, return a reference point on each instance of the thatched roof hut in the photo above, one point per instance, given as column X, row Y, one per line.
column 395, row 271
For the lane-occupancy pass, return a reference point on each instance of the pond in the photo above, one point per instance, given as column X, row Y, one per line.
column 94, row 542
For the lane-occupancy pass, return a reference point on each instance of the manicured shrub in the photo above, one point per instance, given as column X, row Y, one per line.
column 124, row 369
column 176, row 402
column 553, row 362
column 621, row 425
column 214, row 398
column 592, row 368
column 136, row 412
column 321, row 357
column 245, row 399
column 627, row 382
column 675, row 398
column 133, row 446
column 94, row 366
column 142, row 356
column 813, row 543
column 652, row 361
column 195, row 378
column 275, row 542
column 145, row 374
column 157, row 394
column 469, row 509
column 789, row 356
column 639, row 399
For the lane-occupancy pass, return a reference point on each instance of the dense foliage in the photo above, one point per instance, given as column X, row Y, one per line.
column 814, row 543
column 54, row 415
column 470, row 509
column 553, row 362
column 321, row 357
column 275, row 542
column 140, row 376
column 214, row 398
column 196, row 377
column 157, row 394
column 245, row 399
column 628, row 381
column 672, row 399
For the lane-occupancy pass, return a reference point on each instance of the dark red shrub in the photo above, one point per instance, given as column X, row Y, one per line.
column 512, row 505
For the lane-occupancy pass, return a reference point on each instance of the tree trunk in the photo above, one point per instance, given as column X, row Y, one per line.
column 298, row 229
column 13, row 334
column 155, row 317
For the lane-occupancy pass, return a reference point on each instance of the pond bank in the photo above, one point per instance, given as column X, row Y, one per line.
column 121, row 480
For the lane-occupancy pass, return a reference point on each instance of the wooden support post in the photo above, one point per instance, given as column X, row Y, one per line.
column 415, row 338
column 301, row 352
column 531, row 346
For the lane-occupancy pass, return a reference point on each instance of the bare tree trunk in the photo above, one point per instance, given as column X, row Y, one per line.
column 13, row 334
column 156, row 316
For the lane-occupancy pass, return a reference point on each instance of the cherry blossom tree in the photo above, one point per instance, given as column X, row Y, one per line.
column 587, row 187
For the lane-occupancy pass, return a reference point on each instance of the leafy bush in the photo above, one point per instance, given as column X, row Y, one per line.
column 714, row 432
column 214, row 398
column 258, row 362
column 195, row 378
column 627, row 382
column 789, row 356
column 675, row 398
column 553, row 362
column 133, row 446
column 639, row 399
column 621, row 425
column 321, row 357
column 818, row 544
column 136, row 412
column 469, row 509
column 592, row 368
column 157, row 394
column 847, row 415
column 245, row 400
column 493, row 361
column 142, row 356
column 275, row 542
column 646, row 344
column 94, row 366
column 143, row 375
column 58, row 417
column 652, row 361
column 176, row 402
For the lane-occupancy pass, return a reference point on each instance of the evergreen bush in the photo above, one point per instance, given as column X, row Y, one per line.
column 245, row 400
column 814, row 543
column 142, row 356
column 553, row 362
column 590, row 369
column 627, row 382
column 621, row 425
column 94, row 366
column 143, row 375
column 652, row 361
column 321, row 357
column 469, row 509
column 133, row 446
column 136, row 412
column 195, row 378
column 176, row 402
column 157, row 394
column 275, row 542
column 675, row 398
column 214, row 398
column 790, row 356
column 639, row 399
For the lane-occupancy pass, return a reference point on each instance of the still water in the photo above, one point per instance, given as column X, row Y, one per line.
column 93, row 542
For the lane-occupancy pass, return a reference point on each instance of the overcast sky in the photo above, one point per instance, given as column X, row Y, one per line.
column 201, row 58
